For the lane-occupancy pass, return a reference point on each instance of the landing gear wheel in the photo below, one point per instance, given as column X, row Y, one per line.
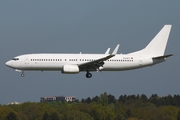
column 88, row 75
column 22, row 75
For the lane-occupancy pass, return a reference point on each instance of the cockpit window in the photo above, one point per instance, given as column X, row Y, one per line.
column 15, row 59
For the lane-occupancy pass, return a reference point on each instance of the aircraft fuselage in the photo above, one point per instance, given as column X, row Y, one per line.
column 57, row 61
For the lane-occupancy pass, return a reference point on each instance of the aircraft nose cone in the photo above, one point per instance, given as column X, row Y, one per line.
column 8, row 63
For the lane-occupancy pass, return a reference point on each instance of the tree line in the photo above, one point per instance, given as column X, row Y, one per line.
column 102, row 107
column 154, row 98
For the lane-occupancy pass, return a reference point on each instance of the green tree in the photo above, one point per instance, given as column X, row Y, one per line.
column 11, row 116
column 88, row 100
column 46, row 116
column 122, row 98
column 128, row 113
column 100, row 112
column 4, row 111
column 104, row 98
column 170, row 112
column 96, row 99
column 111, row 99
column 144, row 98
column 30, row 111
column 155, row 99
column 178, row 116
column 76, row 115
column 54, row 116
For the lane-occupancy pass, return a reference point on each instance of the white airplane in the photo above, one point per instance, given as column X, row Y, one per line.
column 152, row 54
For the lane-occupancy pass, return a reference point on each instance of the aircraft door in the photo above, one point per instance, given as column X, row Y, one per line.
column 26, row 60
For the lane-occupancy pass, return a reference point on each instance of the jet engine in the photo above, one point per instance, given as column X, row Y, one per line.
column 70, row 69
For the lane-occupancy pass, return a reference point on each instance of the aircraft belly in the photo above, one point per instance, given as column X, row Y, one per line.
column 42, row 66
column 120, row 66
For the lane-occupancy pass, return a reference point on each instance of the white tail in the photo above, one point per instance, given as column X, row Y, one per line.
column 158, row 44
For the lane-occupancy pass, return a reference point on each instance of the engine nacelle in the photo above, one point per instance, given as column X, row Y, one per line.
column 70, row 69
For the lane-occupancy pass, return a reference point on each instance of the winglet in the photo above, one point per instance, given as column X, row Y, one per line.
column 107, row 51
column 115, row 50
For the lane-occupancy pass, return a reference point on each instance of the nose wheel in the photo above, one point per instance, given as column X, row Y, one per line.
column 88, row 75
column 22, row 74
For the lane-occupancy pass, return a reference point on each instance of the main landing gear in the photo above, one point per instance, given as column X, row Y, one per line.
column 88, row 74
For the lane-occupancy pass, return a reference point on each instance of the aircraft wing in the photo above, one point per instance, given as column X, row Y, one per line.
column 94, row 65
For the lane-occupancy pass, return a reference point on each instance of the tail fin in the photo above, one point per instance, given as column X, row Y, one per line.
column 158, row 44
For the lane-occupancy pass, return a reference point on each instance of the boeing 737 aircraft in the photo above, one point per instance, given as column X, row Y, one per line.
column 152, row 54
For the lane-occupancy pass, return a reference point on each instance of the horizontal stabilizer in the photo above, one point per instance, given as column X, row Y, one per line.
column 163, row 57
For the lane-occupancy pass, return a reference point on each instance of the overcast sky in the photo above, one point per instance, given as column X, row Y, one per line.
column 89, row 27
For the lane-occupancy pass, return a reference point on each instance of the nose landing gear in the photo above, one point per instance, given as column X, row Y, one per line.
column 22, row 74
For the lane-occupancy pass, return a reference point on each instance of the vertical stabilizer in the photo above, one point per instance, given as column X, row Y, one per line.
column 157, row 45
